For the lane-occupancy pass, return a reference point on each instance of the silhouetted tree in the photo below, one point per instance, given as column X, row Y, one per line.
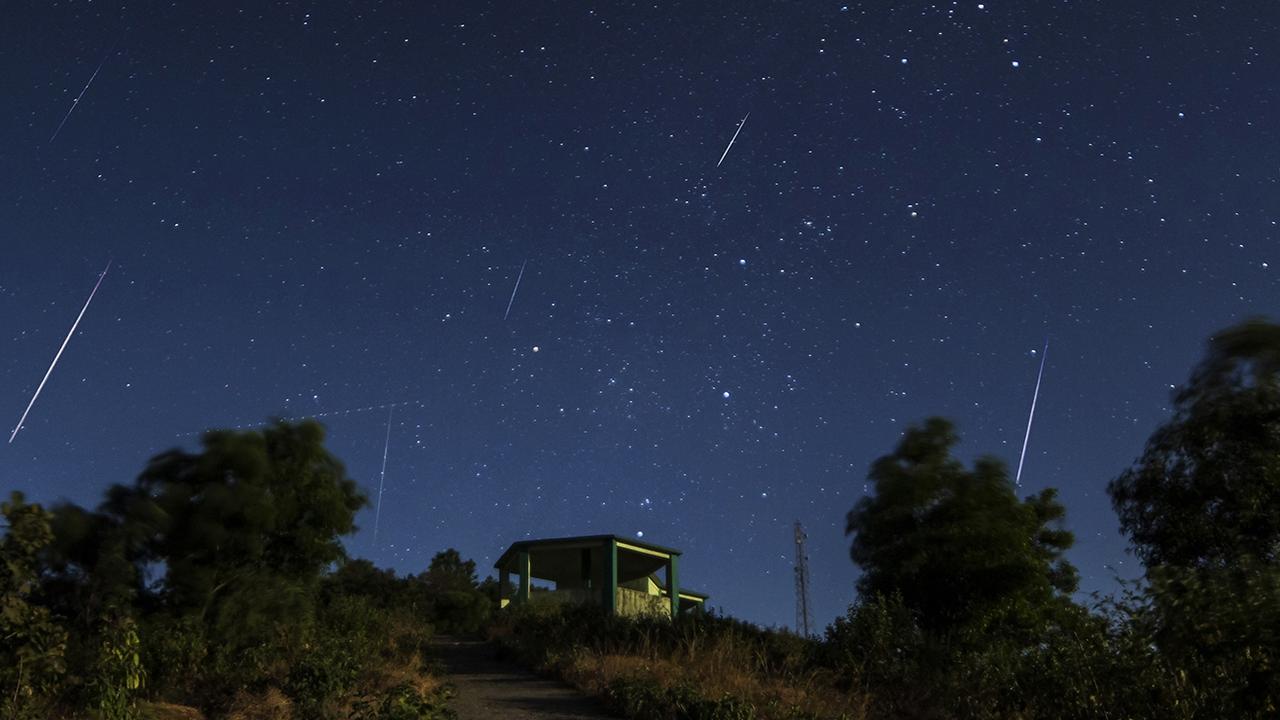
column 1207, row 489
column 1202, row 507
column 361, row 578
column 242, row 533
column 956, row 545
column 449, row 572
column 456, row 602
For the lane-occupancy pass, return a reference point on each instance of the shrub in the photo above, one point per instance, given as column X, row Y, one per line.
column 32, row 643
column 173, row 652
column 405, row 702
column 119, row 669
column 647, row 700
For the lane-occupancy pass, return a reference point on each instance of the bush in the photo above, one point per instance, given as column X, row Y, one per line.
column 119, row 669
column 647, row 700
column 173, row 652
column 354, row 639
column 405, row 702
column 32, row 643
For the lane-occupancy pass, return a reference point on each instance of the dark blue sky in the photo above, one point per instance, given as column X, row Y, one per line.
column 320, row 207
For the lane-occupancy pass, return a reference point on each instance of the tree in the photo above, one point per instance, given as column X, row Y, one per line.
column 1202, row 509
column 361, row 578
column 449, row 572
column 252, row 507
column 957, row 545
column 32, row 644
column 1206, row 490
column 451, row 590
column 242, row 532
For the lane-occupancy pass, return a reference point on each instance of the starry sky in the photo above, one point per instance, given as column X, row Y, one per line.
column 322, row 209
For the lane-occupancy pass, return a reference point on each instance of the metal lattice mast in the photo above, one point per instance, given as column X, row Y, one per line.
column 803, row 613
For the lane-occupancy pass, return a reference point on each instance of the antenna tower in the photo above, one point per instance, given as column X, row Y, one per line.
column 803, row 613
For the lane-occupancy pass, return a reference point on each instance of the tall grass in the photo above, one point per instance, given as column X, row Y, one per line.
column 702, row 667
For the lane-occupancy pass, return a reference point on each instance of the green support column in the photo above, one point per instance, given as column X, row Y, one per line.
column 523, row 563
column 609, row 588
column 673, row 581
column 504, row 577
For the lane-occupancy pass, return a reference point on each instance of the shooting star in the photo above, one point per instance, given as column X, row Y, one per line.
column 735, row 137
column 76, row 103
column 246, row 425
column 514, row 289
column 377, row 513
column 48, row 372
column 1017, row 480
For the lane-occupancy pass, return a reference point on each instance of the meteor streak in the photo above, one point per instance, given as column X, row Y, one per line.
column 292, row 418
column 735, row 137
column 76, row 103
column 377, row 514
column 1017, row 480
column 55, row 357
column 514, row 289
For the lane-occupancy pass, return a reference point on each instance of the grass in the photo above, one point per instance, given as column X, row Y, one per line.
column 699, row 668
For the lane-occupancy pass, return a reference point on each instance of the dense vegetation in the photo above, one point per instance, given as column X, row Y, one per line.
column 217, row 581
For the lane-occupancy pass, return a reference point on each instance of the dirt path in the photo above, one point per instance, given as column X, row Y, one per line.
column 492, row 690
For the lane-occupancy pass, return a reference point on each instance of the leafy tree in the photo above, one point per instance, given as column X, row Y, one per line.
column 32, row 644
column 448, row 572
column 1202, row 508
column 361, row 578
column 955, row 544
column 90, row 568
column 1206, row 491
column 272, row 501
column 453, row 594
column 242, row 532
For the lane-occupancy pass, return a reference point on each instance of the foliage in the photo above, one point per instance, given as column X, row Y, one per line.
column 878, row 646
column 698, row 666
column 32, row 643
column 1202, row 507
column 451, row 595
column 1206, row 489
column 957, row 545
column 448, row 572
column 1220, row 628
column 252, row 503
column 244, row 531
column 174, row 652
column 405, row 702
column 119, row 669
column 544, row 635
column 648, row 700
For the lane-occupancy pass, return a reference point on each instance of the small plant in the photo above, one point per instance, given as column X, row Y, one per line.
column 119, row 669
column 405, row 702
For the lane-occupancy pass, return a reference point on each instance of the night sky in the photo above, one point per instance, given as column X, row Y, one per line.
column 323, row 208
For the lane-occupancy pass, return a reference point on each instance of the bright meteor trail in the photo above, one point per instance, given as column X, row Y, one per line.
column 48, row 372
column 735, row 137
column 76, row 103
column 1017, row 480
column 514, row 289
column 382, row 479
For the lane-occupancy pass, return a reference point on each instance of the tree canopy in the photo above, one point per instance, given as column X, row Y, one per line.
column 1206, row 490
column 955, row 544
column 1202, row 507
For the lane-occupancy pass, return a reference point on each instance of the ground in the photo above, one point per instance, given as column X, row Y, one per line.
column 488, row 688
